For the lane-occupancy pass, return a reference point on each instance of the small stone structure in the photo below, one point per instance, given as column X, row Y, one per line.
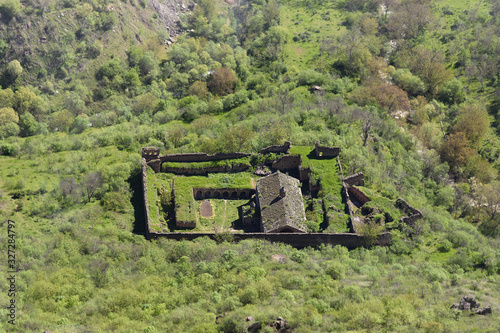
column 281, row 206
column 277, row 149
column 150, row 153
column 324, row 151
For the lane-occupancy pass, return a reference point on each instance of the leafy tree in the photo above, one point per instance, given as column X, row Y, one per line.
column 61, row 120
column 7, row 98
column 410, row 83
column 235, row 139
column 8, row 115
column 92, row 183
column 10, row 9
column 12, row 73
column 134, row 56
column 426, row 64
column 222, row 81
column 456, row 151
column 80, row 124
column 198, row 89
column 388, row 96
column 110, row 69
column 473, row 120
column 28, row 125
column 410, row 19
column 451, row 92
column 26, row 101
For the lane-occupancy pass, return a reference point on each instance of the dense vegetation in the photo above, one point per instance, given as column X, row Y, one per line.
column 410, row 92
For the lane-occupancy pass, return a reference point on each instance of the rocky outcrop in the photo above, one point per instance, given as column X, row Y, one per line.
column 469, row 303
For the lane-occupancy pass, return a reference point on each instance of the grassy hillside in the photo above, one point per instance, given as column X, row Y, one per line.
column 412, row 104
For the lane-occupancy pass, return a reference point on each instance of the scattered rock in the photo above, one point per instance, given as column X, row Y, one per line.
column 250, row 318
column 469, row 303
column 261, row 171
column 484, row 311
column 254, row 328
column 279, row 258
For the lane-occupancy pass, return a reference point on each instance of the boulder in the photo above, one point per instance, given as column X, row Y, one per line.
column 484, row 311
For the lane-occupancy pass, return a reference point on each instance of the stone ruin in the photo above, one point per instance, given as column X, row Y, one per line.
column 324, row 151
column 469, row 303
column 277, row 149
column 353, row 196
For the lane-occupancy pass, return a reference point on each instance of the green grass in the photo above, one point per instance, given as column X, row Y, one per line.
column 201, row 165
column 328, row 172
column 317, row 23
column 225, row 214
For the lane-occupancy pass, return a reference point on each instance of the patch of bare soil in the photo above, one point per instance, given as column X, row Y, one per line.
column 206, row 209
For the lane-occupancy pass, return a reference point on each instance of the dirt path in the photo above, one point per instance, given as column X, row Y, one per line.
column 224, row 217
column 206, row 210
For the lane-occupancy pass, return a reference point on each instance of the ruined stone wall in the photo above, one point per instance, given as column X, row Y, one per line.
column 150, row 153
column 324, row 151
column 200, row 157
column 206, row 170
column 356, row 179
column 288, row 162
column 413, row 213
column 277, row 149
column 144, row 172
column 304, row 174
column 355, row 192
column 223, row 193
column 350, row 207
column 155, row 165
column 298, row 240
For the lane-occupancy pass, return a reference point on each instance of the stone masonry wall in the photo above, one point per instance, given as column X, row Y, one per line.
column 145, row 195
column 298, row 240
column 413, row 213
column 324, row 151
column 277, row 149
column 287, row 162
column 223, row 193
column 204, row 171
column 353, row 191
column 200, row 157
column 356, row 179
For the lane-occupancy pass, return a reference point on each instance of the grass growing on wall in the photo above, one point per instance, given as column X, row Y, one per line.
column 154, row 212
column 208, row 164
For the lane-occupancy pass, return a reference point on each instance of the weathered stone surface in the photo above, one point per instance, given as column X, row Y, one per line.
column 469, row 303
column 255, row 327
column 279, row 258
column 249, row 318
column 484, row 311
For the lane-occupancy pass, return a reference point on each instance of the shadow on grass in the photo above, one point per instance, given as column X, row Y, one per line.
column 137, row 201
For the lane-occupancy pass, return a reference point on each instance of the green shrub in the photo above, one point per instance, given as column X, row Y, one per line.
column 445, row 246
column 335, row 270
